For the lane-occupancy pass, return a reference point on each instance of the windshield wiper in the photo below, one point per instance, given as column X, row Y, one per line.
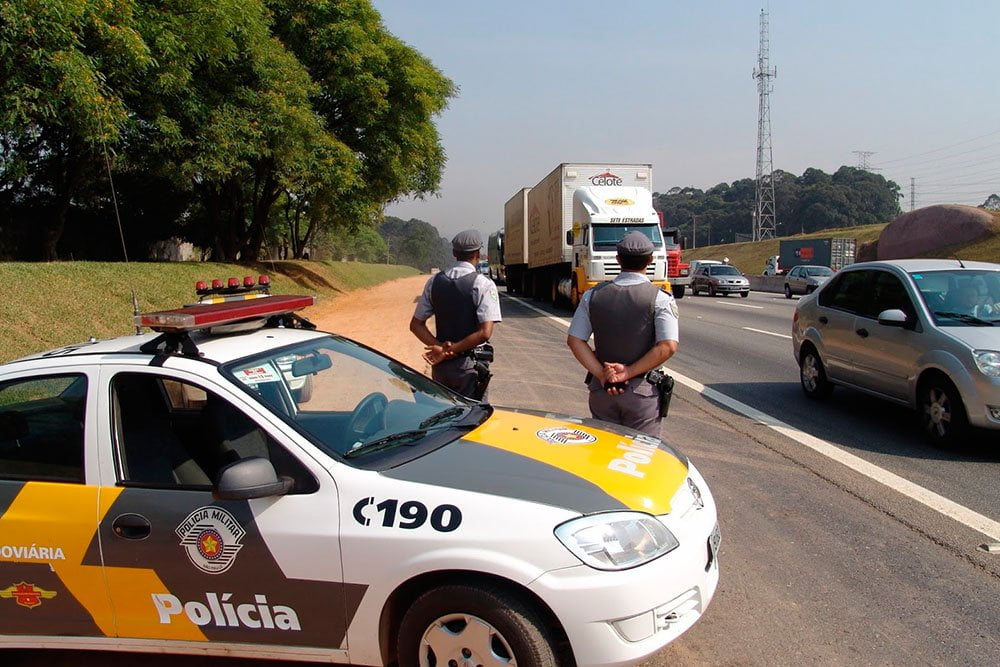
column 445, row 414
column 386, row 442
column 962, row 317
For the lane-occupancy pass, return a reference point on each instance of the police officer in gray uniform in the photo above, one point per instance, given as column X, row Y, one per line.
column 635, row 330
column 465, row 305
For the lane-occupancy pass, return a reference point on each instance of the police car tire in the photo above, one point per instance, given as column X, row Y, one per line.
column 515, row 625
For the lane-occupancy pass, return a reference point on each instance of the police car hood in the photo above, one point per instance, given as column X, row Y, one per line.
column 581, row 465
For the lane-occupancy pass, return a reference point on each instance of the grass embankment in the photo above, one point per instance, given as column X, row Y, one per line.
column 750, row 257
column 47, row 305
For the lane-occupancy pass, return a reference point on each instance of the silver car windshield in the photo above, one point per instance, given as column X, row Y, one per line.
column 347, row 398
column 960, row 297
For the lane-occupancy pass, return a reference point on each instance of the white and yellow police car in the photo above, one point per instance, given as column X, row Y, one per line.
column 180, row 492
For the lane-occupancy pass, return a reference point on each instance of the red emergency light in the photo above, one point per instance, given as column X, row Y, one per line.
column 202, row 316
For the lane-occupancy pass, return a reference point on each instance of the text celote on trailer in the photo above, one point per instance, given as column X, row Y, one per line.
column 239, row 483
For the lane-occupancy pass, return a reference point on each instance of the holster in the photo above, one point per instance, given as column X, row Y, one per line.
column 483, row 376
column 664, row 386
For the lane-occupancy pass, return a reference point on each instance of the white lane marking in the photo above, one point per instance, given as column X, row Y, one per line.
column 926, row 497
column 550, row 316
column 740, row 305
column 767, row 333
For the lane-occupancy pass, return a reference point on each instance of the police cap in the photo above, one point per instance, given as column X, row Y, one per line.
column 635, row 244
column 467, row 241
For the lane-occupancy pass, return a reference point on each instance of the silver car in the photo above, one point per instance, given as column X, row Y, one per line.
column 805, row 278
column 924, row 333
column 719, row 279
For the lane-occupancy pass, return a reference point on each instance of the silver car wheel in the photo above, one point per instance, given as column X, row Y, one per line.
column 812, row 375
column 463, row 639
column 942, row 412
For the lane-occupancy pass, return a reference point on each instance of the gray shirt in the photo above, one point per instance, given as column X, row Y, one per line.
column 664, row 309
column 484, row 294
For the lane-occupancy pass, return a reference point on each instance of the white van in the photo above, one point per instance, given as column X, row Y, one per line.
column 772, row 267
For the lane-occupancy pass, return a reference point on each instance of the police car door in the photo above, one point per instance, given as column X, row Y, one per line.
column 182, row 564
column 50, row 581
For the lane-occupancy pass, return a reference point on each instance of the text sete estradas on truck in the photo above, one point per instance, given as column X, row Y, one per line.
column 562, row 234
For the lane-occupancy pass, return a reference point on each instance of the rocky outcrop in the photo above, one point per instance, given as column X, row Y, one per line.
column 919, row 232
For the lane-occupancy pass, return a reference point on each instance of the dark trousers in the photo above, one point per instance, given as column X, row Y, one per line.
column 638, row 407
column 458, row 374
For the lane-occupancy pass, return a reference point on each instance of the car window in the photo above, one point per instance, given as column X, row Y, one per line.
column 818, row 271
column 848, row 291
column 888, row 292
column 723, row 271
column 960, row 297
column 795, row 272
column 41, row 428
column 170, row 433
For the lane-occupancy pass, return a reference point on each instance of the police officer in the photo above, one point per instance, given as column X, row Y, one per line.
column 635, row 330
column 465, row 305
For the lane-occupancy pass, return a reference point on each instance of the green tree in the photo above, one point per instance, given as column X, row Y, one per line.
column 66, row 68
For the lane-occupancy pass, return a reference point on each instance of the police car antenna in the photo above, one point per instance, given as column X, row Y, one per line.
column 121, row 232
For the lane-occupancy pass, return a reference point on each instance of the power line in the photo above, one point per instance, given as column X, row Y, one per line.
column 944, row 148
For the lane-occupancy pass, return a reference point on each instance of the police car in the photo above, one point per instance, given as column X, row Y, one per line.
column 174, row 492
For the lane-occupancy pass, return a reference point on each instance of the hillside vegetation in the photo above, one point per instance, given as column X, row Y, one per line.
column 52, row 304
column 750, row 257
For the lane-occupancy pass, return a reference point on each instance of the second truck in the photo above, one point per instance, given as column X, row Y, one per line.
column 561, row 235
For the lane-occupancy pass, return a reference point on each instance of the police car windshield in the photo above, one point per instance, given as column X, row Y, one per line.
column 606, row 237
column 342, row 395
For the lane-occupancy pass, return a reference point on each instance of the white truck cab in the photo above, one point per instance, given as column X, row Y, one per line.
column 601, row 217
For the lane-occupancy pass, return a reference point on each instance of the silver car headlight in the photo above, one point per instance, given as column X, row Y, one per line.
column 616, row 540
column 988, row 362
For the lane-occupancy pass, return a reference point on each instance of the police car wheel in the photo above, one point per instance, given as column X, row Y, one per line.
column 467, row 625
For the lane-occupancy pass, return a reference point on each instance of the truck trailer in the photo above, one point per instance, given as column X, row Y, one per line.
column 561, row 235
column 833, row 252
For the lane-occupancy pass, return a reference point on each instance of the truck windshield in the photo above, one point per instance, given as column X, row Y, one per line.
column 606, row 237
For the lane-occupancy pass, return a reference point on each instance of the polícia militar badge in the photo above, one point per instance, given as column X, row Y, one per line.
column 211, row 537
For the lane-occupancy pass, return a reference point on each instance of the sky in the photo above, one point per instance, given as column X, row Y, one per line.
column 908, row 89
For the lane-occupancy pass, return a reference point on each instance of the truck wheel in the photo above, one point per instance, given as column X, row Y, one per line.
column 679, row 292
column 469, row 625
column 788, row 291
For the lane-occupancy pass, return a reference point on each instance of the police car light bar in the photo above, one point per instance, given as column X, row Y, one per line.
column 201, row 316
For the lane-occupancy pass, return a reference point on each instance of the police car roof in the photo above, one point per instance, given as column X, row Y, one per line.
column 213, row 347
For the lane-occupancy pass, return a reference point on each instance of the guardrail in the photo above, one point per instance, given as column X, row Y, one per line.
column 767, row 283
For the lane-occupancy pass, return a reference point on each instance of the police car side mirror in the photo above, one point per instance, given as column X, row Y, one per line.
column 252, row 477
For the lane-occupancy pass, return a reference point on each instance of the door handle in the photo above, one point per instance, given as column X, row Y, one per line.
column 823, row 320
column 131, row 526
column 862, row 332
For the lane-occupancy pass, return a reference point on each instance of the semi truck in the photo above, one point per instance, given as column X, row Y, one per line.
column 678, row 271
column 833, row 252
column 561, row 235
column 494, row 248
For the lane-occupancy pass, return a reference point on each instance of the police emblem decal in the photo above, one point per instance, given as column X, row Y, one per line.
column 561, row 435
column 211, row 537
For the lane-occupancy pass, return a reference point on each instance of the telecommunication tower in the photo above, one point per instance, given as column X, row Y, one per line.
column 763, row 215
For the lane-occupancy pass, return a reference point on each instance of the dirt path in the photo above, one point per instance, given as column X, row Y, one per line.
column 378, row 317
